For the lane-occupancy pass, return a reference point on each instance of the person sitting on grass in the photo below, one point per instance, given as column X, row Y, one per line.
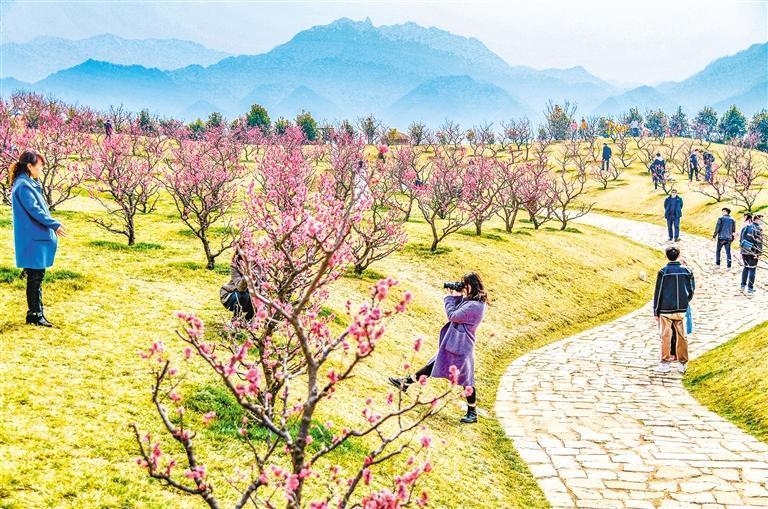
column 456, row 346
column 674, row 290
column 234, row 294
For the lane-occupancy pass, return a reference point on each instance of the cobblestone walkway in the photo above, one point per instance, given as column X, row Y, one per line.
column 599, row 428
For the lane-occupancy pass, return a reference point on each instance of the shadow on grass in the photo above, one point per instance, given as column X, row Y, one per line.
column 5, row 222
column 215, row 231
column 218, row 268
column 423, row 250
column 369, row 275
column 117, row 246
column 12, row 276
column 489, row 236
column 229, row 421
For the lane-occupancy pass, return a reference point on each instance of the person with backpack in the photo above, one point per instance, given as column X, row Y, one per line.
column 725, row 232
column 675, row 286
column 673, row 211
column 709, row 159
column 658, row 170
column 751, row 244
column 693, row 169
column 108, row 128
column 607, row 153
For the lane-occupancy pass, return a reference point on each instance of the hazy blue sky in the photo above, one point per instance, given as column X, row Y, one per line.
column 636, row 41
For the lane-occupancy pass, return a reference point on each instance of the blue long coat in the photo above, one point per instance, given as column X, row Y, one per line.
column 34, row 229
column 457, row 339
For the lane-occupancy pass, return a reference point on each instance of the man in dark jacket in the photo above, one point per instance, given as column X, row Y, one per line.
column 658, row 170
column 693, row 170
column 709, row 159
column 674, row 291
column 606, row 157
column 673, row 211
column 725, row 232
column 751, row 243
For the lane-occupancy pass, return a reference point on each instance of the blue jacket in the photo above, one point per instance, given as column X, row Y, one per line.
column 34, row 229
column 606, row 152
column 674, row 289
column 673, row 207
column 725, row 229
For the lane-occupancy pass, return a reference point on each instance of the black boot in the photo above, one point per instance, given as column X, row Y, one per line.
column 38, row 319
column 471, row 416
column 401, row 383
column 35, row 314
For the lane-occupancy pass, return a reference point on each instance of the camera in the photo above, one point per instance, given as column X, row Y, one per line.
column 456, row 286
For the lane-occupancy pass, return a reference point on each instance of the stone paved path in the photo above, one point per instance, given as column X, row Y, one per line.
column 599, row 428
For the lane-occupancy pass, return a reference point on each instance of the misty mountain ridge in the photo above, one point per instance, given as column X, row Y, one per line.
column 398, row 72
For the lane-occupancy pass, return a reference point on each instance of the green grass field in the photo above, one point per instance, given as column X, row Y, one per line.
column 633, row 195
column 70, row 393
column 732, row 380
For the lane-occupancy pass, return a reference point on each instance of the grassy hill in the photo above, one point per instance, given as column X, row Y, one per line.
column 70, row 393
column 731, row 380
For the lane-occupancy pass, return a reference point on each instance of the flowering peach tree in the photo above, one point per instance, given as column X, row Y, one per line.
column 202, row 177
column 123, row 184
column 285, row 367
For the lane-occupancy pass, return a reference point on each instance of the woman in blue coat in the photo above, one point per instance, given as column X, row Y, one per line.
column 456, row 347
column 35, row 232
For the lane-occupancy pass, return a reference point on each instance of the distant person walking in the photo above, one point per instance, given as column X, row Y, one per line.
column 674, row 290
column 725, row 232
column 709, row 159
column 35, row 232
column 634, row 127
column 108, row 128
column 751, row 244
column 673, row 211
column 693, row 167
column 607, row 153
column 583, row 127
column 658, row 170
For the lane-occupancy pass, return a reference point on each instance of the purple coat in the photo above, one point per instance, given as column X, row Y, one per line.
column 457, row 339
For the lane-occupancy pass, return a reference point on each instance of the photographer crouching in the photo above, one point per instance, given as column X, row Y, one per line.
column 465, row 307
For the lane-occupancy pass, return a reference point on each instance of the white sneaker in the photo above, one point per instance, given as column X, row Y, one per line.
column 681, row 367
column 663, row 367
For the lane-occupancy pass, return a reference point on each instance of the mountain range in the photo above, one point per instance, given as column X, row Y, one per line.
column 399, row 72
column 34, row 60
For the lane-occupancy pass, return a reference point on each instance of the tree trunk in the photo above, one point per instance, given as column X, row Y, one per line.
column 211, row 260
column 478, row 228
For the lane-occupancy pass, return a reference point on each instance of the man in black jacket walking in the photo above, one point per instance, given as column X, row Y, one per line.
column 725, row 232
column 674, row 291
column 607, row 152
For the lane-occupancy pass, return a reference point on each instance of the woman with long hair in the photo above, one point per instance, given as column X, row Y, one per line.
column 35, row 232
column 465, row 310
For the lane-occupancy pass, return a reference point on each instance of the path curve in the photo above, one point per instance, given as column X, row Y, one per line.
column 599, row 428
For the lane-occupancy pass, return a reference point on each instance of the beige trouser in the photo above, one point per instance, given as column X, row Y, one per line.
column 666, row 323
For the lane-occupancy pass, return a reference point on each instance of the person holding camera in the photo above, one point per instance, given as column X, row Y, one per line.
column 465, row 308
